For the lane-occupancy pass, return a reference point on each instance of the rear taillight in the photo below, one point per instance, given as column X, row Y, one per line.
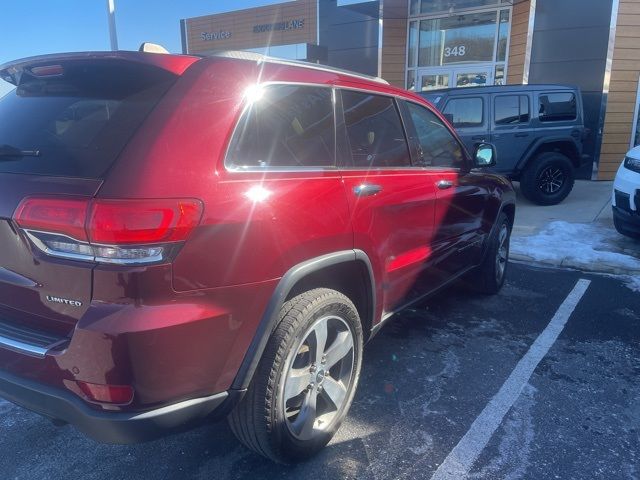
column 108, row 231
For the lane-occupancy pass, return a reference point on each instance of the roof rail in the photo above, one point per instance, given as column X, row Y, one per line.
column 259, row 58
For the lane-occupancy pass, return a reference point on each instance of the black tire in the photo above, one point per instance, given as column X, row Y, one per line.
column 548, row 178
column 622, row 230
column 488, row 277
column 264, row 420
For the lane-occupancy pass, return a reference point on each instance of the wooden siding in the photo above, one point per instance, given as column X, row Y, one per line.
column 518, row 42
column 240, row 25
column 394, row 41
column 623, row 88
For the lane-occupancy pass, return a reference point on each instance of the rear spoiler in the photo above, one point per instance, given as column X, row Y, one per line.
column 176, row 64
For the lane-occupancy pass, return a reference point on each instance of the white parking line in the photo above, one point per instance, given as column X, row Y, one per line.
column 458, row 463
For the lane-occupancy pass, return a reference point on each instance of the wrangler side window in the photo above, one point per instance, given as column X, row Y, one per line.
column 285, row 126
column 557, row 107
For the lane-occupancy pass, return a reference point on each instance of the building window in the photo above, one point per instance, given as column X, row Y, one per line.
column 456, row 40
column 429, row 7
column 463, row 49
column 635, row 134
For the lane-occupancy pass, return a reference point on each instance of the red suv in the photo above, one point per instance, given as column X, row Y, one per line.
column 184, row 238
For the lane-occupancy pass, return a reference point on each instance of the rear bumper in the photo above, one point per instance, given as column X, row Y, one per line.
column 112, row 427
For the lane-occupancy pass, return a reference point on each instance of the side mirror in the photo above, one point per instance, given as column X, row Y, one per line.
column 485, row 155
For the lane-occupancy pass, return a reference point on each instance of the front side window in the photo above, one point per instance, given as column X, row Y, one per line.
column 557, row 107
column 465, row 112
column 438, row 147
column 374, row 131
column 285, row 126
column 511, row 109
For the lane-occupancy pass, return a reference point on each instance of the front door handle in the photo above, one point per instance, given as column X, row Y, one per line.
column 367, row 189
column 444, row 184
column 479, row 138
column 522, row 134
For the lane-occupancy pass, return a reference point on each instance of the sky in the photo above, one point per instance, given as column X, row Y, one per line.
column 36, row 27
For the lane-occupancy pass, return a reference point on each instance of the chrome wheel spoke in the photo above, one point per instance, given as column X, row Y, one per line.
column 297, row 381
column 335, row 391
column 340, row 348
column 320, row 332
column 303, row 424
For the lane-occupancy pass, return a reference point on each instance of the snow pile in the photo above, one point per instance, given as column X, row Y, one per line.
column 590, row 247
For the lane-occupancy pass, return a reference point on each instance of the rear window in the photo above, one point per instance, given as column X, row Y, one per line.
column 285, row 126
column 75, row 124
column 465, row 112
column 557, row 107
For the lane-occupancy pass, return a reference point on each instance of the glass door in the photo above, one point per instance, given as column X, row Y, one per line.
column 472, row 77
column 435, row 78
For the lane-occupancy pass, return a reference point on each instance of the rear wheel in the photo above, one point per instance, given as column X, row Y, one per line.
column 547, row 179
column 306, row 379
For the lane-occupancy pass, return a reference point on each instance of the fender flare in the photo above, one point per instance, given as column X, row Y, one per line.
column 530, row 153
column 269, row 318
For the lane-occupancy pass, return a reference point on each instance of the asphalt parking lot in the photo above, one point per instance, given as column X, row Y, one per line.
column 434, row 381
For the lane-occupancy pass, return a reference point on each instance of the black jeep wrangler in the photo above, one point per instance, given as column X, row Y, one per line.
column 538, row 132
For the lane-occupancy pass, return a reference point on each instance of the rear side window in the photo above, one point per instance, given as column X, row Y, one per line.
column 374, row 130
column 75, row 123
column 557, row 107
column 465, row 112
column 286, row 126
column 511, row 109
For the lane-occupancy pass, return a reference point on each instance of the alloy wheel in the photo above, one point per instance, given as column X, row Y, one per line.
column 502, row 254
column 318, row 377
column 551, row 180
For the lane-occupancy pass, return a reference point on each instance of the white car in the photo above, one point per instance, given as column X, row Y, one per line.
column 626, row 195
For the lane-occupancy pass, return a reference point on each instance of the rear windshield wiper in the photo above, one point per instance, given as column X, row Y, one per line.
column 9, row 151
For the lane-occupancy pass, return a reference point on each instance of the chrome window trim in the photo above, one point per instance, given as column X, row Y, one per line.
column 229, row 168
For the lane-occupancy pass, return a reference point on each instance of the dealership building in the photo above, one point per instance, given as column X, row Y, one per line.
column 427, row 44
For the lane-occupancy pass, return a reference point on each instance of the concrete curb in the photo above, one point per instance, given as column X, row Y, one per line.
column 575, row 263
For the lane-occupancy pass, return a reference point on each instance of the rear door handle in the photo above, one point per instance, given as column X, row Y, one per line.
column 521, row 134
column 444, row 184
column 367, row 190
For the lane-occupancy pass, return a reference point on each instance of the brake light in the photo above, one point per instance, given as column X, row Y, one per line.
column 108, row 231
column 54, row 215
column 125, row 222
